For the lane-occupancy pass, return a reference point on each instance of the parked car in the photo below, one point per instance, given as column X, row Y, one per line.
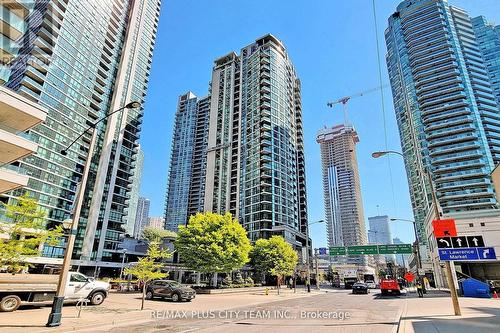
column 170, row 289
column 371, row 284
column 39, row 289
column 360, row 288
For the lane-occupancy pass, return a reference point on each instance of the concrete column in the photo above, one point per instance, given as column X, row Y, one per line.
column 214, row 280
column 198, row 278
column 179, row 276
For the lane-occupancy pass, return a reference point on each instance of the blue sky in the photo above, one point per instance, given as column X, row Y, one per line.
column 332, row 45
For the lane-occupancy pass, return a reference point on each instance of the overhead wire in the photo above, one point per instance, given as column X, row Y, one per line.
column 384, row 118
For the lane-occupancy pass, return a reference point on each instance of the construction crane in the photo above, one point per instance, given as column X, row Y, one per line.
column 346, row 99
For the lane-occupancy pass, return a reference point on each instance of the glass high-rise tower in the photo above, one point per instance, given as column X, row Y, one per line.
column 252, row 148
column 488, row 38
column 447, row 114
column 82, row 60
column 188, row 161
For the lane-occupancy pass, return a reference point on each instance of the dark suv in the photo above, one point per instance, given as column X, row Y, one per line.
column 169, row 289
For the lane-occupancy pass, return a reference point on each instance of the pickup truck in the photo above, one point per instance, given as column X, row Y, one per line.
column 390, row 287
column 40, row 289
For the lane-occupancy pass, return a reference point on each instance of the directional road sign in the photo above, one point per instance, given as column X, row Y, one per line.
column 370, row 249
column 362, row 249
column 395, row 248
column 459, row 241
column 458, row 254
column 338, row 251
column 322, row 250
column 486, row 253
column 480, row 253
column 475, row 241
column 444, row 242
column 444, row 228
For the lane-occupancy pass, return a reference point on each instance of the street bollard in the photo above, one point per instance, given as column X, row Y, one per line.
column 80, row 304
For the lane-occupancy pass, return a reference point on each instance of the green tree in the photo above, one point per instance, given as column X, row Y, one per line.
column 25, row 229
column 213, row 243
column 157, row 235
column 148, row 268
column 274, row 256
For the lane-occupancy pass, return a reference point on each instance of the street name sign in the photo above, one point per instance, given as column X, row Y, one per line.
column 461, row 254
column 370, row 249
column 395, row 248
column 362, row 249
column 338, row 251
column 458, row 254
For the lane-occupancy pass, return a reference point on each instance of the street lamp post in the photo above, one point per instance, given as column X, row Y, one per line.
column 123, row 263
column 448, row 270
column 56, row 311
column 308, row 259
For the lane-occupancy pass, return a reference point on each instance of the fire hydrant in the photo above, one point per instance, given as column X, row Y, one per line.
column 267, row 291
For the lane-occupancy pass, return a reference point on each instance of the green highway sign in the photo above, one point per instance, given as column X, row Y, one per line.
column 338, row 251
column 371, row 249
column 362, row 249
column 395, row 248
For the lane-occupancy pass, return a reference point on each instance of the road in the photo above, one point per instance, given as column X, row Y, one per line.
column 327, row 310
column 336, row 311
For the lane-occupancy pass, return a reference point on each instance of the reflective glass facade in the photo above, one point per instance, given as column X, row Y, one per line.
column 242, row 149
column 81, row 60
column 488, row 38
column 448, row 117
column 255, row 160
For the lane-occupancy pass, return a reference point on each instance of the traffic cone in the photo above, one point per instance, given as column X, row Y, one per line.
column 495, row 295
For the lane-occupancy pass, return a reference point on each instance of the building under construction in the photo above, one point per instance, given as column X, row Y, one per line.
column 345, row 222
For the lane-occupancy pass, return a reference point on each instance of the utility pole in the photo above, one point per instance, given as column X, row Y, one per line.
column 450, row 278
column 317, row 269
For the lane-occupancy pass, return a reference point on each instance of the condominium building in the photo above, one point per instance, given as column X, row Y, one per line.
column 488, row 38
column 134, row 193
column 141, row 216
column 156, row 222
column 345, row 222
column 17, row 115
column 186, row 177
column 251, row 141
column 447, row 114
column 81, row 61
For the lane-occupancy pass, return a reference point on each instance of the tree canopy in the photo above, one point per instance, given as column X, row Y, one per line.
column 148, row 268
column 157, row 235
column 274, row 256
column 25, row 227
column 213, row 243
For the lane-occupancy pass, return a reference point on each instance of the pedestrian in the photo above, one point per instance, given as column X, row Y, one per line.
column 290, row 283
column 419, row 290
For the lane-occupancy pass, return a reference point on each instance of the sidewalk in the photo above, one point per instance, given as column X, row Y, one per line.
column 434, row 314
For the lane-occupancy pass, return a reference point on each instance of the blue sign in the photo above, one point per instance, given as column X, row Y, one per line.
column 486, row 253
column 322, row 250
column 458, row 254
column 480, row 253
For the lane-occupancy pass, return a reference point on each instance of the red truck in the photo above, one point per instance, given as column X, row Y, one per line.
column 389, row 287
